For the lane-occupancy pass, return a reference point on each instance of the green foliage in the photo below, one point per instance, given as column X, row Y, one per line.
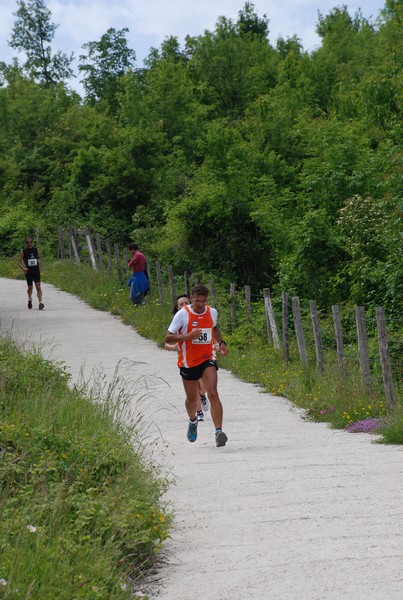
column 232, row 65
column 106, row 61
column 15, row 224
column 33, row 29
column 80, row 510
column 373, row 238
column 317, row 256
column 393, row 427
column 251, row 151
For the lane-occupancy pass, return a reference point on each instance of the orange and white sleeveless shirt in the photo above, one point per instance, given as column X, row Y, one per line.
column 195, row 352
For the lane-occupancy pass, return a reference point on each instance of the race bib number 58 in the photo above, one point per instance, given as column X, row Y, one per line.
column 204, row 337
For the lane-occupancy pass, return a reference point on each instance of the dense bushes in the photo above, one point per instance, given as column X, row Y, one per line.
column 271, row 165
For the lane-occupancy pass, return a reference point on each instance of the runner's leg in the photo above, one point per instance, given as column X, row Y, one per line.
column 192, row 397
column 210, row 379
column 38, row 290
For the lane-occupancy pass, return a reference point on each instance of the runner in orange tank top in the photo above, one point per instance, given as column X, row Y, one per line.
column 203, row 405
column 194, row 328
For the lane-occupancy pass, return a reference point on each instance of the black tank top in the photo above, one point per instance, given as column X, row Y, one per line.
column 30, row 256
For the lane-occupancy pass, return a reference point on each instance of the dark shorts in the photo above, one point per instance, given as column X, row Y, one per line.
column 33, row 274
column 195, row 373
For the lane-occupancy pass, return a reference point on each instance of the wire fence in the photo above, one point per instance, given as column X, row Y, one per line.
column 354, row 337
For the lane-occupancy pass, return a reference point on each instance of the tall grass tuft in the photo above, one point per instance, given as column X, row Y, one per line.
column 80, row 508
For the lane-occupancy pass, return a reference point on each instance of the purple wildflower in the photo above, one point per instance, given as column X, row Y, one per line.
column 369, row 425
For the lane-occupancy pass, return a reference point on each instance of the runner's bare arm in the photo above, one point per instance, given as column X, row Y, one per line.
column 171, row 347
column 223, row 350
column 21, row 262
column 173, row 338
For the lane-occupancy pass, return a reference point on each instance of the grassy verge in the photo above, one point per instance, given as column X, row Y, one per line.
column 80, row 512
column 323, row 397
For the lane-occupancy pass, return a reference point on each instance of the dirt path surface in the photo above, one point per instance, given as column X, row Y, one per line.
column 288, row 510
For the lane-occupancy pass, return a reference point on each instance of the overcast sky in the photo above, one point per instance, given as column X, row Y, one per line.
column 151, row 21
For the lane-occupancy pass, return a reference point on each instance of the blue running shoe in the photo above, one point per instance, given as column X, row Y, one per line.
column 192, row 431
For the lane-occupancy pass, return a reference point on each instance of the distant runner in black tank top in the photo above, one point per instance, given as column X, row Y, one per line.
column 30, row 262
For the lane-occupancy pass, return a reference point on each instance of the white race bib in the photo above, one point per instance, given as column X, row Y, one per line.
column 204, row 337
column 32, row 262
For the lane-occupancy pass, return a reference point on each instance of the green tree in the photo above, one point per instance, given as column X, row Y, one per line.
column 234, row 64
column 104, row 64
column 373, row 237
column 216, row 207
column 338, row 58
column 33, row 30
column 249, row 23
column 310, row 269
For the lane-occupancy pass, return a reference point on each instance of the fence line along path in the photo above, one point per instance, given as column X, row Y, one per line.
column 93, row 253
column 288, row 510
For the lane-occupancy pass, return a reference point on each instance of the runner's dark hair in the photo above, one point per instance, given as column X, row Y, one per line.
column 200, row 290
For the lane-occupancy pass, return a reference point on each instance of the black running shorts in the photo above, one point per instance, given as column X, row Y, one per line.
column 195, row 373
column 33, row 274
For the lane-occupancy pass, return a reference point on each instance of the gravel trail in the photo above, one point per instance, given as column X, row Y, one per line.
column 287, row 510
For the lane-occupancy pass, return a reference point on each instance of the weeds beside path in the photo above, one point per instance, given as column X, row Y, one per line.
column 80, row 511
column 286, row 506
column 324, row 398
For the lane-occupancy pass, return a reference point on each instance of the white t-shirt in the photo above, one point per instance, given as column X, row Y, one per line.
column 180, row 320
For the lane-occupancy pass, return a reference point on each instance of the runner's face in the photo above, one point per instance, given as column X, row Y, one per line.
column 182, row 302
column 199, row 303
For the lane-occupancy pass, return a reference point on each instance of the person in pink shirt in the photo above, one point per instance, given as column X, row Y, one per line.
column 139, row 280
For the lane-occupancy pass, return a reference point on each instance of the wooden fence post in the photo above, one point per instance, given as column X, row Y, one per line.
column 91, row 250
column 75, row 249
column 126, row 259
column 109, row 254
column 233, row 308
column 317, row 336
column 363, row 348
column 150, row 287
column 117, row 258
column 270, row 319
column 266, row 294
column 248, row 304
column 61, row 243
column 71, row 235
column 172, row 285
column 286, row 351
column 99, row 250
column 248, row 310
column 385, row 358
column 296, row 311
column 68, row 249
column 339, row 340
column 159, row 282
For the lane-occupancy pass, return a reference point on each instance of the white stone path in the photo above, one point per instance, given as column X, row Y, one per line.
column 288, row 510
